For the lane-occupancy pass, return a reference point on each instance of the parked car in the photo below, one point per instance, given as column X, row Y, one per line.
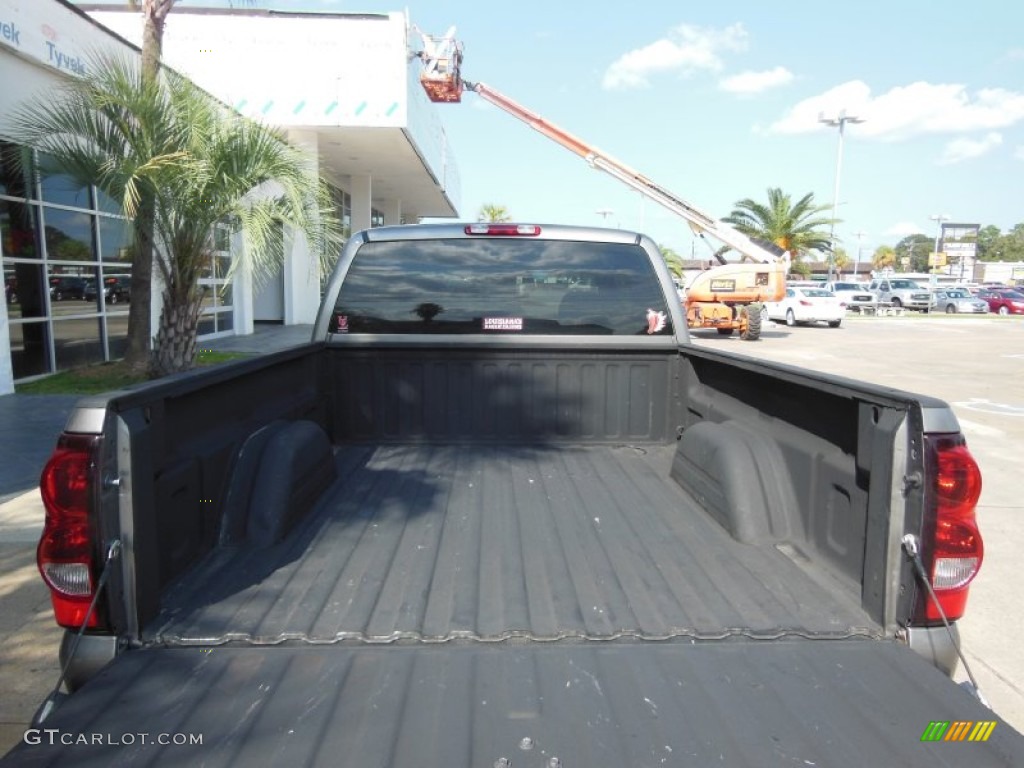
column 901, row 292
column 1004, row 301
column 855, row 296
column 807, row 305
column 67, row 287
column 116, row 288
column 954, row 300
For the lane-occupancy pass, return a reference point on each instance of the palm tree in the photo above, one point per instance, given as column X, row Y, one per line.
column 841, row 260
column 885, row 256
column 797, row 228
column 673, row 261
column 198, row 164
column 494, row 213
column 154, row 16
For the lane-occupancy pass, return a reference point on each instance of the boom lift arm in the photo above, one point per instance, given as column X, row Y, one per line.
column 699, row 221
column 724, row 298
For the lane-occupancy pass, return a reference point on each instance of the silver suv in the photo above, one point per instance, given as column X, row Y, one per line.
column 900, row 292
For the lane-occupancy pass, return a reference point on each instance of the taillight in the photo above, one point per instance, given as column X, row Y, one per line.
column 504, row 230
column 65, row 551
column 805, row 303
column 951, row 545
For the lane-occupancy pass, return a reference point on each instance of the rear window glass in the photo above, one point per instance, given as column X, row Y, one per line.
column 501, row 286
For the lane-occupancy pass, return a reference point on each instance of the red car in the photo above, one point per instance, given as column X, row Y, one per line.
column 1004, row 301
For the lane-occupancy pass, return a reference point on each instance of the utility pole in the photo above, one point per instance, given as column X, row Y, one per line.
column 860, row 246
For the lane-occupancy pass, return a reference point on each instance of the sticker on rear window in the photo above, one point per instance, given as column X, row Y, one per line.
column 655, row 321
column 503, row 323
column 341, row 323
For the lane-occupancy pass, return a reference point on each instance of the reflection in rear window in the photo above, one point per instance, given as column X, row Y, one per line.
column 501, row 286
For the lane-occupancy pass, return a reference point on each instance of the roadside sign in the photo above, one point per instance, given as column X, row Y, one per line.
column 936, row 259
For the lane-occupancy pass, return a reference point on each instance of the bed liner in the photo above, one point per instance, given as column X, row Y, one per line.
column 591, row 542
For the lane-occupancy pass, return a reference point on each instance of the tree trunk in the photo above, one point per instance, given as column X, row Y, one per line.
column 137, row 353
column 176, row 337
column 140, row 331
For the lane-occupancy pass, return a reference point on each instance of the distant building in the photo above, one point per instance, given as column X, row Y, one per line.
column 340, row 85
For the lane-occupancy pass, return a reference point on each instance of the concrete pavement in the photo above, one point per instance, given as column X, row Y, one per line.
column 29, row 638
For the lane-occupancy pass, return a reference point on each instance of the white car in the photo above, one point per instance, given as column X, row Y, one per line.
column 807, row 305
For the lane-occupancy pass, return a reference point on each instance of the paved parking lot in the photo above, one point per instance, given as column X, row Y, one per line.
column 977, row 365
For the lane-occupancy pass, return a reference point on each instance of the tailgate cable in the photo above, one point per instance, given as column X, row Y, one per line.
column 49, row 703
column 910, row 546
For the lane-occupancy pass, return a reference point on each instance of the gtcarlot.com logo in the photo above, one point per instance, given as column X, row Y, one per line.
column 55, row 736
column 958, row 730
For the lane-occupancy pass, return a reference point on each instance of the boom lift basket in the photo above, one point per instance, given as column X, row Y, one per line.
column 442, row 61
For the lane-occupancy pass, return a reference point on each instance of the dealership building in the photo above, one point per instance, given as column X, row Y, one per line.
column 351, row 99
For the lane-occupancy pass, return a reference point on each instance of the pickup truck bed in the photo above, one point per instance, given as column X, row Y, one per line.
column 437, row 542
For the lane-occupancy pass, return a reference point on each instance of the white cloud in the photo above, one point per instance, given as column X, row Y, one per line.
column 902, row 229
column 966, row 149
column 909, row 110
column 685, row 50
column 754, row 82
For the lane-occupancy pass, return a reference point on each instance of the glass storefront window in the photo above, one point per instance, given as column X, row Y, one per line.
column 107, row 204
column 24, row 289
column 30, row 344
column 54, row 277
column 18, row 230
column 117, row 334
column 68, row 235
column 77, row 342
column 116, row 240
column 117, row 285
column 61, row 188
column 15, row 174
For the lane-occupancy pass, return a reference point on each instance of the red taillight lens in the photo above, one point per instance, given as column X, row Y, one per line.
column 504, row 230
column 805, row 303
column 65, row 551
column 955, row 550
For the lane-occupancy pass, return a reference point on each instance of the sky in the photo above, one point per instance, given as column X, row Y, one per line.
column 717, row 102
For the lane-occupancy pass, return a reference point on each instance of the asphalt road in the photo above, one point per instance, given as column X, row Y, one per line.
column 977, row 365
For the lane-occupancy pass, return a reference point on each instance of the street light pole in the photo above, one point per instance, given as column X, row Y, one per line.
column 840, row 120
column 604, row 213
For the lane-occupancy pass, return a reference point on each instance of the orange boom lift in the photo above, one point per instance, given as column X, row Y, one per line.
column 726, row 297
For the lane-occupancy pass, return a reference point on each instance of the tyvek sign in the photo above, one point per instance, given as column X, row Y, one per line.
column 51, row 34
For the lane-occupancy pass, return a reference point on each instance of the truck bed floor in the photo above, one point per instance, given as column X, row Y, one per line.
column 437, row 542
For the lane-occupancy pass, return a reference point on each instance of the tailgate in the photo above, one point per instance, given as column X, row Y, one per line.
column 736, row 703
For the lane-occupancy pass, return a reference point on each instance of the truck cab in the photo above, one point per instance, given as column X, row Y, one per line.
column 901, row 292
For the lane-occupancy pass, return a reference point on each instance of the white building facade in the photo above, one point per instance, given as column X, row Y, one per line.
column 343, row 86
